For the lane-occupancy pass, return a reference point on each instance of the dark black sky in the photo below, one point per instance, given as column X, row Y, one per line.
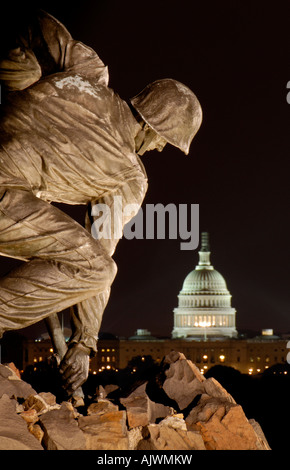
column 235, row 55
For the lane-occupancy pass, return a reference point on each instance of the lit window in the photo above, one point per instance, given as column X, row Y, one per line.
column 222, row 358
column 108, row 358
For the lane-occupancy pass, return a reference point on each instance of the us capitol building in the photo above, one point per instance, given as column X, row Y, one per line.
column 204, row 303
column 204, row 331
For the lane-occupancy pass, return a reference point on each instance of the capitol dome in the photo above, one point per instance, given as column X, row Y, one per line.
column 204, row 302
column 204, row 280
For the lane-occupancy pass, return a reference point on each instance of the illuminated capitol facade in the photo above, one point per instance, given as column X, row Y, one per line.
column 204, row 302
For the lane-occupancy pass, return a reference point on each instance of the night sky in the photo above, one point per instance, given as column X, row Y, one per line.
column 235, row 56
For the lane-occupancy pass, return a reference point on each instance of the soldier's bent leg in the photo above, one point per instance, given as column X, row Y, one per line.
column 64, row 263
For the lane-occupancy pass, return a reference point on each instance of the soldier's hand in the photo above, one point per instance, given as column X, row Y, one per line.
column 74, row 367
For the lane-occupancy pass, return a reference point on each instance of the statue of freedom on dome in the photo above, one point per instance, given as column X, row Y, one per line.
column 67, row 137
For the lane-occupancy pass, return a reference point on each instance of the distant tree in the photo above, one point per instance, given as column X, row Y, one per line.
column 141, row 363
column 12, row 348
column 223, row 373
column 44, row 377
column 278, row 369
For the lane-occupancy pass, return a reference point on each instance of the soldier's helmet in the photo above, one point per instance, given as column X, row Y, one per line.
column 172, row 110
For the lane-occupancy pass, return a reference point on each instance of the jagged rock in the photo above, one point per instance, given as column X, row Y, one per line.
column 30, row 416
column 14, row 434
column 137, row 412
column 184, row 380
column 101, row 406
column 141, row 410
column 41, row 402
column 163, row 437
column 170, row 434
column 19, row 407
column 223, row 425
column 134, row 436
column 35, row 402
column 11, row 385
column 174, row 421
column 77, row 401
column 157, row 411
column 107, row 431
column 206, row 408
column 5, row 372
column 137, row 407
column 104, row 391
column 262, row 441
column 48, row 397
column 36, row 431
column 214, row 389
column 15, row 371
column 75, row 414
column 61, row 431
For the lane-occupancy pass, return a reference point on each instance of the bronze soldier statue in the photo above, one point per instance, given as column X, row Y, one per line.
column 67, row 137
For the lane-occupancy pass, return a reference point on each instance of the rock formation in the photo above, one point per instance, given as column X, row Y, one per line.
column 177, row 410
